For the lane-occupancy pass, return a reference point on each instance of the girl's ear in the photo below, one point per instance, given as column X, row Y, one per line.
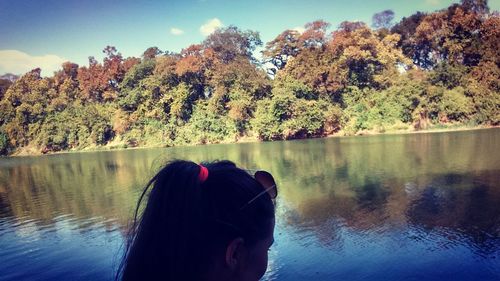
column 235, row 253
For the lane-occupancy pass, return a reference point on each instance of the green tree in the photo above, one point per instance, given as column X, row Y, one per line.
column 455, row 105
column 230, row 42
column 4, row 143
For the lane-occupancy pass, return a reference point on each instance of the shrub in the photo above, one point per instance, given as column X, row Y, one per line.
column 206, row 126
column 270, row 115
column 265, row 125
column 76, row 127
column 285, row 116
column 4, row 143
column 455, row 105
column 306, row 121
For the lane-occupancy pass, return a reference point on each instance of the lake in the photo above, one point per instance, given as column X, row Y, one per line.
column 387, row 207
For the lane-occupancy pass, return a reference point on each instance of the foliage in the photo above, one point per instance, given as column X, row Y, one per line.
column 383, row 19
column 206, row 126
column 428, row 69
column 292, row 112
column 78, row 127
column 4, row 143
column 448, row 75
column 456, row 105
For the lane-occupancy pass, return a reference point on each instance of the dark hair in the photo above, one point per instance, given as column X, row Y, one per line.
column 186, row 223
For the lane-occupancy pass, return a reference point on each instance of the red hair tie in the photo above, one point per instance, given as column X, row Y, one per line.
column 203, row 175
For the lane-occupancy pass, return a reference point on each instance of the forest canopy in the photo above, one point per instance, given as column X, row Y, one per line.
column 428, row 69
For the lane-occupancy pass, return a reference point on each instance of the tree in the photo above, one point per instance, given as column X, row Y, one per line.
column 439, row 67
column 192, row 66
column 383, row 19
column 312, row 68
column 354, row 56
column 281, row 49
column 452, row 34
column 181, row 102
column 130, row 62
column 314, row 36
column 489, row 43
column 99, row 82
column 206, row 126
column 448, row 75
column 92, row 82
column 476, row 6
column 191, row 61
column 113, row 68
column 24, row 107
column 230, row 42
column 4, row 85
column 483, row 85
column 69, row 70
column 235, row 84
column 455, row 105
column 151, row 53
column 350, row 26
column 284, row 116
column 132, row 86
column 406, row 29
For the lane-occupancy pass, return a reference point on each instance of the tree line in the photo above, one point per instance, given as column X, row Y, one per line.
column 439, row 68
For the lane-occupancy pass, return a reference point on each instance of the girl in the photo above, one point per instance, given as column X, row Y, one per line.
column 212, row 221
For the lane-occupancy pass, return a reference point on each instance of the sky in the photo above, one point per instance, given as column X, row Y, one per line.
column 46, row 33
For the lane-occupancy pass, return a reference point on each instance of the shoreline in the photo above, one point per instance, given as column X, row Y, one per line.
column 117, row 147
column 425, row 131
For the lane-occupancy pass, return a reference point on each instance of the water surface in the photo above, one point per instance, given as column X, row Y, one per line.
column 389, row 207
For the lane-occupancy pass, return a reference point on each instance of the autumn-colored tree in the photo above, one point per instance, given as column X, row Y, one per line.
column 69, row 70
column 354, row 56
column 431, row 68
column 92, row 81
column 113, row 67
column 129, row 62
column 290, row 43
column 191, row 62
column 406, row 29
column 453, row 34
column 314, row 35
column 99, row 82
column 192, row 66
column 489, row 34
column 312, row 67
column 151, row 53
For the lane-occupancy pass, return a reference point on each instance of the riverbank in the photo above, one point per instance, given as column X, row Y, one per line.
column 116, row 146
column 433, row 129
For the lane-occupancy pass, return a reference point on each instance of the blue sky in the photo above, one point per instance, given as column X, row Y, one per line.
column 46, row 33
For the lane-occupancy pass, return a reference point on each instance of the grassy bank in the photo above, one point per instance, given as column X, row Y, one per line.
column 115, row 146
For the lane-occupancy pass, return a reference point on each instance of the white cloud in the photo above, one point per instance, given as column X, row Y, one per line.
column 176, row 31
column 17, row 62
column 299, row 29
column 210, row 26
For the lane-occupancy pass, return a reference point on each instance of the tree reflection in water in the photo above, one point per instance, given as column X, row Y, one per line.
column 437, row 190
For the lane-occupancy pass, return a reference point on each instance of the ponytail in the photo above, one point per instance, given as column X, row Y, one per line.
column 191, row 212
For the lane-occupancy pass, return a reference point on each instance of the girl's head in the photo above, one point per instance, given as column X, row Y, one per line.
column 201, row 229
